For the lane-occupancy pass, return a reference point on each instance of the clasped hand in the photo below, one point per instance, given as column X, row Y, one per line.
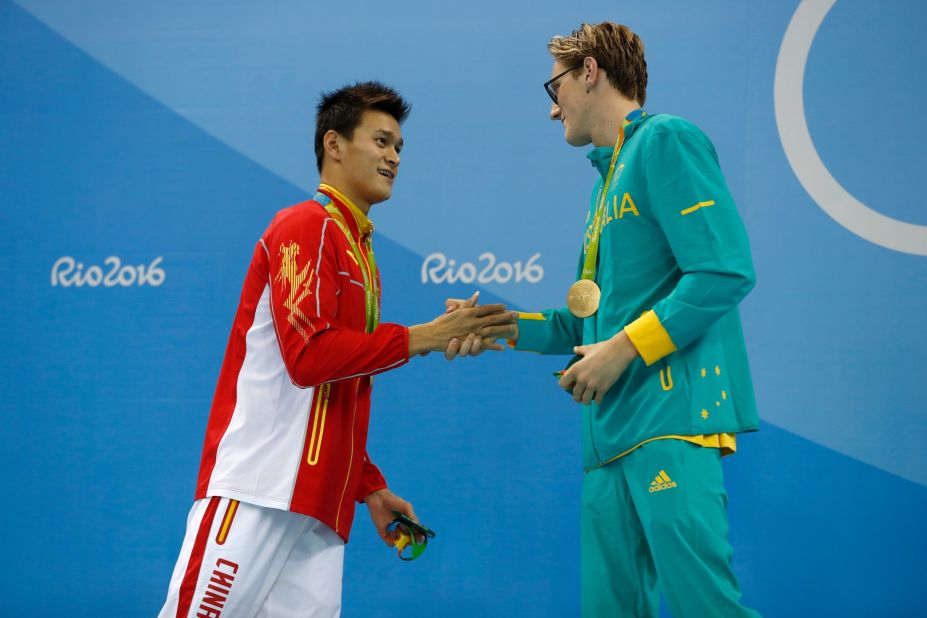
column 589, row 379
column 478, row 341
column 458, row 323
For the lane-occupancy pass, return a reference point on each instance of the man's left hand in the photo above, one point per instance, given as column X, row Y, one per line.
column 381, row 505
column 601, row 366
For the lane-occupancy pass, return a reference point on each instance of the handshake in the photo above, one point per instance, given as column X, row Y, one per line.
column 464, row 329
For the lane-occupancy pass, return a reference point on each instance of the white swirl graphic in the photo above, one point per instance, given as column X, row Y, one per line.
column 799, row 149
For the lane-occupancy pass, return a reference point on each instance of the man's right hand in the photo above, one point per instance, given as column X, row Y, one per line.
column 458, row 323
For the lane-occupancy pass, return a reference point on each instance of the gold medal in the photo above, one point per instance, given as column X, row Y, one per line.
column 583, row 298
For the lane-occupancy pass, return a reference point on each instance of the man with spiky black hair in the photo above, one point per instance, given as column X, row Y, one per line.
column 285, row 457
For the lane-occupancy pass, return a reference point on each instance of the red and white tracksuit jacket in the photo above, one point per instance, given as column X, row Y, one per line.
column 288, row 425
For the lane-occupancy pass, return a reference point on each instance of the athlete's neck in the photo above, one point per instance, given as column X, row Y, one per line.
column 335, row 180
column 610, row 115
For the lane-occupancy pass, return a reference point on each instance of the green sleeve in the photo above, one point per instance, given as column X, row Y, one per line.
column 555, row 331
column 693, row 207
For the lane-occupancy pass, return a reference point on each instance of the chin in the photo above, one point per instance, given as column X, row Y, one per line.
column 573, row 139
column 576, row 140
column 381, row 195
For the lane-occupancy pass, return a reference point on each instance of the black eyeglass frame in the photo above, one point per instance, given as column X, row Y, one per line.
column 548, row 85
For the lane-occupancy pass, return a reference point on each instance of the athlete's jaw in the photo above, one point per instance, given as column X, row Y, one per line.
column 575, row 132
column 372, row 185
column 383, row 183
column 568, row 137
column 378, row 181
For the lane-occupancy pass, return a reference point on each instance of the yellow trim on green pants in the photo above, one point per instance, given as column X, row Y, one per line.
column 655, row 520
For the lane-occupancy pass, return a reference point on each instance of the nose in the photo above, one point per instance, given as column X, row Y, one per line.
column 392, row 157
column 554, row 111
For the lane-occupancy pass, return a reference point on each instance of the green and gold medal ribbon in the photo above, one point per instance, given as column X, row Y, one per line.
column 365, row 259
column 583, row 297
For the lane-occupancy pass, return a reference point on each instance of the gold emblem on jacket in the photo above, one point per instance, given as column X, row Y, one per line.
column 298, row 281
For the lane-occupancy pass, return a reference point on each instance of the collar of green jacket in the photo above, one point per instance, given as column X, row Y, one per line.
column 602, row 156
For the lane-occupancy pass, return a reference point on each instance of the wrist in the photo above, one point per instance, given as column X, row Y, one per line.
column 624, row 346
column 422, row 339
column 376, row 495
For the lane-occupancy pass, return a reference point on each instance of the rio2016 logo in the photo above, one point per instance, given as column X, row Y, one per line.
column 438, row 269
column 66, row 271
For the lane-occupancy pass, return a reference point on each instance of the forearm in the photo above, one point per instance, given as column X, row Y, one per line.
column 340, row 353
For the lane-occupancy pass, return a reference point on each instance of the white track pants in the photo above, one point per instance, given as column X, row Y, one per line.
column 241, row 560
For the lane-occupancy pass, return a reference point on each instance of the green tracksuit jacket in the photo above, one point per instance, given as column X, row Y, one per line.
column 674, row 262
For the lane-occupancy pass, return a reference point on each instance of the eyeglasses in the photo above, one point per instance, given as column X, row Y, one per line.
column 553, row 87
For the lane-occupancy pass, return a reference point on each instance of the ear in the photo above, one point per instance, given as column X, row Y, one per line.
column 331, row 143
column 591, row 71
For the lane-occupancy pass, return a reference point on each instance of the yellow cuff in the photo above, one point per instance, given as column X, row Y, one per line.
column 526, row 316
column 650, row 338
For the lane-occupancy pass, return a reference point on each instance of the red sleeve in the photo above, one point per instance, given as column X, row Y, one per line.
column 301, row 248
column 371, row 480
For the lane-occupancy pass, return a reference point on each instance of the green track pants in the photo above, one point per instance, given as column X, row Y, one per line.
column 656, row 519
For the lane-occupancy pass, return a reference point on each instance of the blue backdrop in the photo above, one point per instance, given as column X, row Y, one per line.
column 145, row 146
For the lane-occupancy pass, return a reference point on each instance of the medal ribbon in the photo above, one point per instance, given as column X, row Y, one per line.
column 368, row 265
column 592, row 250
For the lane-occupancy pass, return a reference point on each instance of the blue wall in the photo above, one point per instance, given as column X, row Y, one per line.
column 167, row 135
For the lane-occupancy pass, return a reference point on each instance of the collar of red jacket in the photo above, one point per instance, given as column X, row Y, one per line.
column 360, row 224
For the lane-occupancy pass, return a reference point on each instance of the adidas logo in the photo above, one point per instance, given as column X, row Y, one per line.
column 661, row 482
